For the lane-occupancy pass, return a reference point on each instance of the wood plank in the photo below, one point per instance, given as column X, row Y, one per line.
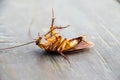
column 98, row 19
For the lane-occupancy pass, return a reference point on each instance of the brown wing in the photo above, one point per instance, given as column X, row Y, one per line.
column 82, row 43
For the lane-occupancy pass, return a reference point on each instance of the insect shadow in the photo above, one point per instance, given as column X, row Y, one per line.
column 54, row 56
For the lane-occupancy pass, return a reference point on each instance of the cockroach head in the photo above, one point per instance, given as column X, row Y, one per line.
column 38, row 40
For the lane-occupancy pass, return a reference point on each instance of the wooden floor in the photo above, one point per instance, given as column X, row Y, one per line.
column 98, row 19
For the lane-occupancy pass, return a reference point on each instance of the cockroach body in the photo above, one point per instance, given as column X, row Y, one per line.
column 55, row 43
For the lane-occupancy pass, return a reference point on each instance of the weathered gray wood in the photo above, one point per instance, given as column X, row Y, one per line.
column 98, row 19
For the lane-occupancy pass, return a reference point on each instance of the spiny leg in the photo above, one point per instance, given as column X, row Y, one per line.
column 54, row 45
column 51, row 45
column 56, row 27
column 54, row 34
column 65, row 57
column 53, row 19
column 59, row 27
column 62, row 45
column 52, row 28
column 47, row 37
column 61, row 48
column 52, row 23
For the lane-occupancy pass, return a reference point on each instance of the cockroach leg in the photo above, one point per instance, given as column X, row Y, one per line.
column 56, row 27
column 52, row 31
column 65, row 57
column 52, row 23
column 54, row 44
column 61, row 48
column 62, row 45
column 51, row 38
column 47, row 36
column 58, row 41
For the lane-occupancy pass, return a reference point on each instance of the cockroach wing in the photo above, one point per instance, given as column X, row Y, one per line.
column 82, row 43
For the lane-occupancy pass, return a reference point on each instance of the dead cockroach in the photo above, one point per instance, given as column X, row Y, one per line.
column 55, row 43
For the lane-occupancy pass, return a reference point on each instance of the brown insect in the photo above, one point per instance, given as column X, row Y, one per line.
column 55, row 43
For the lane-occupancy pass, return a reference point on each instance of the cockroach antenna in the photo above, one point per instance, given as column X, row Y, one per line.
column 29, row 33
column 17, row 45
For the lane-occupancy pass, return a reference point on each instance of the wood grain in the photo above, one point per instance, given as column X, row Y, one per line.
column 98, row 19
